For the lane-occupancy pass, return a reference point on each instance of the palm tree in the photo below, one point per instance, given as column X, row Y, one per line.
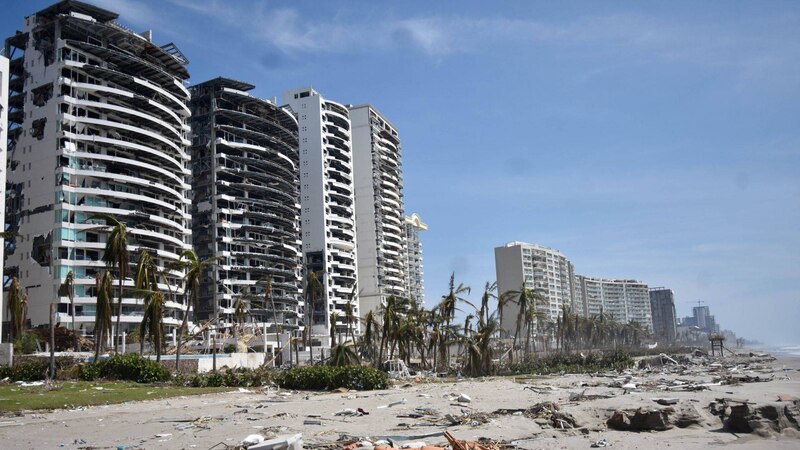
column 145, row 283
column 332, row 320
column 349, row 314
column 343, row 355
column 240, row 311
column 447, row 307
column 67, row 289
column 195, row 267
column 368, row 338
column 152, row 320
column 17, row 308
column 527, row 300
column 313, row 290
column 488, row 294
column 103, row 313
column 116, row 254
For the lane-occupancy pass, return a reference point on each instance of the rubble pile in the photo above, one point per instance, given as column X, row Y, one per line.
column 741, row 416
column 655, row 419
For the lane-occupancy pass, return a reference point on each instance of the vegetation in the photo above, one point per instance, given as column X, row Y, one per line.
column 226, row 378
column 17, row 305
column 573, row 363
column 82, row 393
column 128, row 367
column 329, row 377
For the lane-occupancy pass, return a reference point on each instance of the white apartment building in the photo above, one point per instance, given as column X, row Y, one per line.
column 3, row 154
column 98, row 120
column 327, row 199
column 377, row 165
column 415, row 283
column 246, row 210
column 623, row 300
column 543, row 270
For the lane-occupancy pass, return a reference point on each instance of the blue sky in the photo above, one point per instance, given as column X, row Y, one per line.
column 651, row 140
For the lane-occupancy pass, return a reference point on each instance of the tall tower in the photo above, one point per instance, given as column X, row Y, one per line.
column 3, row 167
column 99, row 124
column 379, row 208
column 246, row 206
column 327, row 217
column 662, row 307
column 415, row 283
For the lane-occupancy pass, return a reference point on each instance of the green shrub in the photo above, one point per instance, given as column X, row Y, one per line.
column 26, row 344
column 226, row 378
column 574, row 363
column 321, row 378
column 129, row 367
column 29, row 371
column 91, row 371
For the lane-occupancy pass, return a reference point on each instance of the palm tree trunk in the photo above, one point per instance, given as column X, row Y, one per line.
column 180, row 338
column 119, row 310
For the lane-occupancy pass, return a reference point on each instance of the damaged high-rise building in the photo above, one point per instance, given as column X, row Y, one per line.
column 245, row 165
column 327, row 218
column 415, row 283
column 98, row 120
column 3, row 153
column 378, row 175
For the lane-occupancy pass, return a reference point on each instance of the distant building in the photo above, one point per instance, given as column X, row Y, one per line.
column 624, row 300
column 541, row 269
column 662, row 307
column 378, row 180
column 415, row 284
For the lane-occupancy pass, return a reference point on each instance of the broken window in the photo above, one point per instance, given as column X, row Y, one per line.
column 42, row 94
column 41, row 250
column 37, row 128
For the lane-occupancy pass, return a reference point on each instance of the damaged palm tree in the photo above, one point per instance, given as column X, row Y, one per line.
column 17, row 308
column 116, row 255
column 103, row 313
column 67, row 289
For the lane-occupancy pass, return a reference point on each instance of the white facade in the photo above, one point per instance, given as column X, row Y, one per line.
column 377, row 164
column 623, row 300
column 100, row 125
column 327, row 199
column 415, row 283
column 543, row 270
column 3, row 154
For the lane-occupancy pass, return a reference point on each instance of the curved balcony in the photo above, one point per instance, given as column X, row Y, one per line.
column 176, row 163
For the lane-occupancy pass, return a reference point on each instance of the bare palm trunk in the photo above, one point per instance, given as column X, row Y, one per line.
column 119, row 310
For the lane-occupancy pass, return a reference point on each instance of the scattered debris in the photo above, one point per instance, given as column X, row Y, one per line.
column 601, row 443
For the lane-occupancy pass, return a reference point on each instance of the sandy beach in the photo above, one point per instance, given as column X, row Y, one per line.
column 430, row 407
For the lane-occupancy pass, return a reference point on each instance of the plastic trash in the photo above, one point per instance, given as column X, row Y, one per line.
column 464, row 398
column 253, row 439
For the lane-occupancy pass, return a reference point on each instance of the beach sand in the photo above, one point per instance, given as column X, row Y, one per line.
column 230, row 417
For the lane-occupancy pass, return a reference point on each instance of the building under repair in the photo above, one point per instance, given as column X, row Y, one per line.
column 98, row 124
column 246, row 207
